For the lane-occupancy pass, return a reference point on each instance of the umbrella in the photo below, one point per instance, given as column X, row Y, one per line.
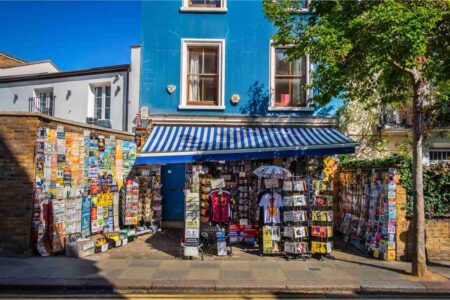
column 273, row 172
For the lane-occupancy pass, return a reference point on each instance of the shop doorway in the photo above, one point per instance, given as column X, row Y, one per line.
column 173, row 179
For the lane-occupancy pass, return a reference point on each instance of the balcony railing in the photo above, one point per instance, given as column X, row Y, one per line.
column 42, row 105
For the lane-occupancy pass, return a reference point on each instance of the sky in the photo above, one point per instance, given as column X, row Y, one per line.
column 72, row 34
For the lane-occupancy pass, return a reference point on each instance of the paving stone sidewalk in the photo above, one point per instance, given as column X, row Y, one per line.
column 347, row 274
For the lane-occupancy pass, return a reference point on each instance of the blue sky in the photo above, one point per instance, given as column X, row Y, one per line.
column 74, row 35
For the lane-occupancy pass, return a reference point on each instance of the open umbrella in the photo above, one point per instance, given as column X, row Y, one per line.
column 273, row 172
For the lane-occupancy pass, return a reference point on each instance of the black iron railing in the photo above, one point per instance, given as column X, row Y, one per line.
column 45, row 105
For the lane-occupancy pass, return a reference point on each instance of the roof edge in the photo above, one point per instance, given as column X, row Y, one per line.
column 91, row 71
column 34, row 63
column 13, row 57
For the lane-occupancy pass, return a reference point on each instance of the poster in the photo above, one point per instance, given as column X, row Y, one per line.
column 85, row 215
column 320, row 247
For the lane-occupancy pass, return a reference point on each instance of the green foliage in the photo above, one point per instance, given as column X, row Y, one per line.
column 367, row 48
column 436, row 181
column 394, row 161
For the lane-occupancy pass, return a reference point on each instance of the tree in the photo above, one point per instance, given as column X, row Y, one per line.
column 391, row 50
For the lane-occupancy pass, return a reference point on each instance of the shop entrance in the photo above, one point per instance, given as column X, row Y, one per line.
column 172, row 189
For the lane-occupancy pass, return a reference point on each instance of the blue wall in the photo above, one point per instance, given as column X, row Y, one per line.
column 247, row 34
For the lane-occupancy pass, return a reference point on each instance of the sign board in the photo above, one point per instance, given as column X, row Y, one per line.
column 192, row 224
column 271, row 183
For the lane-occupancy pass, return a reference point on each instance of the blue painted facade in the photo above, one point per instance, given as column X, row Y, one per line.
column 247, row 35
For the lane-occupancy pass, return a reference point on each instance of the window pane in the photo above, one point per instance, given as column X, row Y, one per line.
column 282, row 96
column 281, row 66
column 298, row 92
column 210, row 62
column 298, row 67
column 290, row 92
column 98, row 102
column 209, row 88
column 194, row 88
column 195, row 61
column 107, row 102
column 206, row 3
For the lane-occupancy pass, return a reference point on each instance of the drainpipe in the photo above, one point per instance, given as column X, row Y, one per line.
column 126, row 98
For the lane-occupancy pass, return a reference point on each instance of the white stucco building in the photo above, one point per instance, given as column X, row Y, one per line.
column 104, row 96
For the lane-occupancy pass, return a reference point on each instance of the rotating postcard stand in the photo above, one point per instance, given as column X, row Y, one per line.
column 295, row 221
column 270, row 242
column 321, row 210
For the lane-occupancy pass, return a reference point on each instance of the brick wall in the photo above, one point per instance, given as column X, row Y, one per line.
column 437, row 240
column 17, row 143
column 437, row 234
column 17, row 174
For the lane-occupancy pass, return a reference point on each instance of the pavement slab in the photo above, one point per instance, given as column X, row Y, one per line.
column 163, row 274
column 275, row 274
column 236, row 274
column 309, row 286
column 183, row 284
column 138, row 273
column 200, row 273
column 301, row 275
column 145, row 263
column 175, row 265
column 235, row 285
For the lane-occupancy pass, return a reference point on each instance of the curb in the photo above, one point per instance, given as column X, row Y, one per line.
column 143, row 286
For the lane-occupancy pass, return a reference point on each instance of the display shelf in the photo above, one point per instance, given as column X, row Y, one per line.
column 321, row 218
column 295, row 229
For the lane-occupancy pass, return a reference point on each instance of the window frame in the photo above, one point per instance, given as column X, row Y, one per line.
column 49, row 91
column 203, row 9
column 438, row 152
column 207, row 43
column 272, row 74
column 103, row 86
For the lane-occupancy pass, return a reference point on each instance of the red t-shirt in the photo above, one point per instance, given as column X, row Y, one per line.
column 220, row 206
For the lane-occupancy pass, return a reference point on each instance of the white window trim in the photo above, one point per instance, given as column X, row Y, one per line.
column 272, row 106
column 91, row 102
column 186, row 8
column 302, row 11
column 185, row 43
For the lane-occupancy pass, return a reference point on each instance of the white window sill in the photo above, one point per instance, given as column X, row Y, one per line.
column 290, row 108
column 204, row 9
column 201, row 107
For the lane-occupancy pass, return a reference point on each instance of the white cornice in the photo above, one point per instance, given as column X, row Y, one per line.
column 272, row 121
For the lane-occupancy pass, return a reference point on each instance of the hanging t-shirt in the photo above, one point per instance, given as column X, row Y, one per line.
column 271, row 204
column 220, row 206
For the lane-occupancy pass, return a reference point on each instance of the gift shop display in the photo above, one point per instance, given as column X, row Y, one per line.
column 368, row 210
column 77, row 199
column 150, row 199
column 260, row 205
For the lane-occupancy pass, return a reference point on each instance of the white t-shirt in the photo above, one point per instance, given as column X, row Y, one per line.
column 271, row 207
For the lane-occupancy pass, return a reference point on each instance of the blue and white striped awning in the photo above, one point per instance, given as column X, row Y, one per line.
column 177, row 144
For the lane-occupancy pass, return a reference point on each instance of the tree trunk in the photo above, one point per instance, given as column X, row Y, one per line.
column 419, row 266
